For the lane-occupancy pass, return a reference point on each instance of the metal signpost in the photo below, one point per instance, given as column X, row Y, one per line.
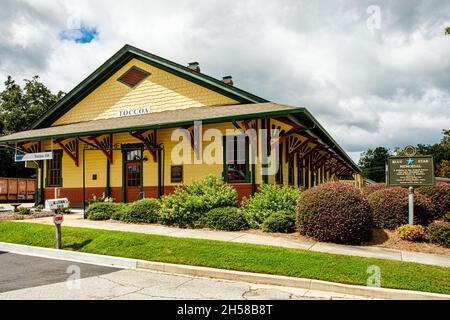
column 56, row 205
column 58, row 219
column 410, row 171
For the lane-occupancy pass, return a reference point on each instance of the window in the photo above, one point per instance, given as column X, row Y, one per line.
column 291, row 174
column 134, row 155
column 279, row 174
column 176, row 174
column 54, row 169
column 236, row 162
column 133, row 175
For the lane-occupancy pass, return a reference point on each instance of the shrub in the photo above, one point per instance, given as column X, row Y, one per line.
column 371, row 188
column 39, row 208
column 390, row 208
column 334, row 212
column 190, row 202
column 270, row 199
column 439, row 196
column 145, row 210
column 447, row 217
column 439, row 233
column 411, row 233
column 24, row 211
column 280, row 221
column 118, row 214
column 103, row 210
column 225, row 218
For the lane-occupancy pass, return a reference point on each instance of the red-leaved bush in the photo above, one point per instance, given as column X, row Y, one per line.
column 390, row 208
column 371, row 188
column 334, row 212
column 439, row 195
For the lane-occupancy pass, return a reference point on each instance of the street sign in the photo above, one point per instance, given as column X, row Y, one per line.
column 58, row 219
column 55, row 204
column 34, row 156
column 410, row 171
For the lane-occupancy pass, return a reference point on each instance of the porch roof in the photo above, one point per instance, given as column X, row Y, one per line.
column 177, row 118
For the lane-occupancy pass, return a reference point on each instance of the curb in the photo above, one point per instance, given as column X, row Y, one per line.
column 206, row 272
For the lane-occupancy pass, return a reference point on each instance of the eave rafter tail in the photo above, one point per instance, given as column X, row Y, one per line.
column 71, row 148
column 105, row 144
column 149, row 138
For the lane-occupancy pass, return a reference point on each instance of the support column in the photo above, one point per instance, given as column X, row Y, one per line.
column 108, row 179
column 158, row 156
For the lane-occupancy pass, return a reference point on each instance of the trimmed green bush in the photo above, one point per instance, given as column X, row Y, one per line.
column 411, row 233
column 334, row 212
column 268, row 200
column 103, row 210
column 280, row 221
column 24, row 211
column 439, row 233
column 226, row 218
column 390, row 208
column 145, row 211
column 118, row 214
column 371, row 188
column 439, row 196
column 190, row 202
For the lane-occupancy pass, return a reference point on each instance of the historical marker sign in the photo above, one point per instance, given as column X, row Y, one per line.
column 411, row 171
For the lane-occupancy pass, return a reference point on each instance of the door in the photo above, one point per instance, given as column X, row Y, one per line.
column 133, row 181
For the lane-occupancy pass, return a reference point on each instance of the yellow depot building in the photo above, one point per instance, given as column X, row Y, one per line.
column 141, row 125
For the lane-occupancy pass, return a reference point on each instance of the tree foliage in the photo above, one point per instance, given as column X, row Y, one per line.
column 19, row 108
column 373, row 163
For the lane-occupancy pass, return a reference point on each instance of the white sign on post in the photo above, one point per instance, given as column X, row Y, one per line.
column 34, row 156
column 55, row 204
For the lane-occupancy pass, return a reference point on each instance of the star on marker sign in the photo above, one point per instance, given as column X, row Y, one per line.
column 410, row 162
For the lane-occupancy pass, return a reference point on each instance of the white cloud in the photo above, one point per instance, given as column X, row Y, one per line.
column 389, row 87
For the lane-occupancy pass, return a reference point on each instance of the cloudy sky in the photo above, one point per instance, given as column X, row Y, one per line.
column 374, row 73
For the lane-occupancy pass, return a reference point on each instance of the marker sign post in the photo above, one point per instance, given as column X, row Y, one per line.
column 58, row 220
column 56, row 205
column 410, row 172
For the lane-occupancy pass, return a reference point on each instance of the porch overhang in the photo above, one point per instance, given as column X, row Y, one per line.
column 183, row 117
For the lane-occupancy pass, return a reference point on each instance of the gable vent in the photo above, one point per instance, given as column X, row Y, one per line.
column 133, row 76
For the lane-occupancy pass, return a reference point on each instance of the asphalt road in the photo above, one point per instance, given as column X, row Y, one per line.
column 20, row 271
column 33, row 278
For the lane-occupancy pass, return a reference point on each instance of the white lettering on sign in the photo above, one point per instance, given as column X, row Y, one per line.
column 134, row 112
column 54, row 204
column 34, row 156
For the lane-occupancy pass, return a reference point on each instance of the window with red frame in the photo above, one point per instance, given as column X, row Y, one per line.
column 237, row 164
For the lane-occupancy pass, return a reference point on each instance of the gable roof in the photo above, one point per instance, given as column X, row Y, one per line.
column 122, row 57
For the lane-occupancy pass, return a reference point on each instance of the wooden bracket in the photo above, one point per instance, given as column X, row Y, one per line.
column 294, row 145
column 149, row 138
column 71, row 148
column 251, row 128
column 35, row 147
column 105, row 144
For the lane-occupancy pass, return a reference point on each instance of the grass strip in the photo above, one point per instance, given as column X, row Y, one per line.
column 233, row 256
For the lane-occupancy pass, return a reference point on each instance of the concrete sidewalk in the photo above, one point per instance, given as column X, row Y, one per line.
column 76, row 220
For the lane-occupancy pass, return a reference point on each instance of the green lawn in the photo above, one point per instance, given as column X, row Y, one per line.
column 234, row 256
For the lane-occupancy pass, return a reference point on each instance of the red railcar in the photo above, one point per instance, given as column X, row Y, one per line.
column 17, row 189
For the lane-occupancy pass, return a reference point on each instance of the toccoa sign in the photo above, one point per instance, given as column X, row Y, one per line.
column 134, row 112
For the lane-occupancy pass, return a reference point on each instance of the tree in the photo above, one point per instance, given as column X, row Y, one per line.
column 373, row 163
column 447, row 30
column 19, row 108
column 444, row 169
